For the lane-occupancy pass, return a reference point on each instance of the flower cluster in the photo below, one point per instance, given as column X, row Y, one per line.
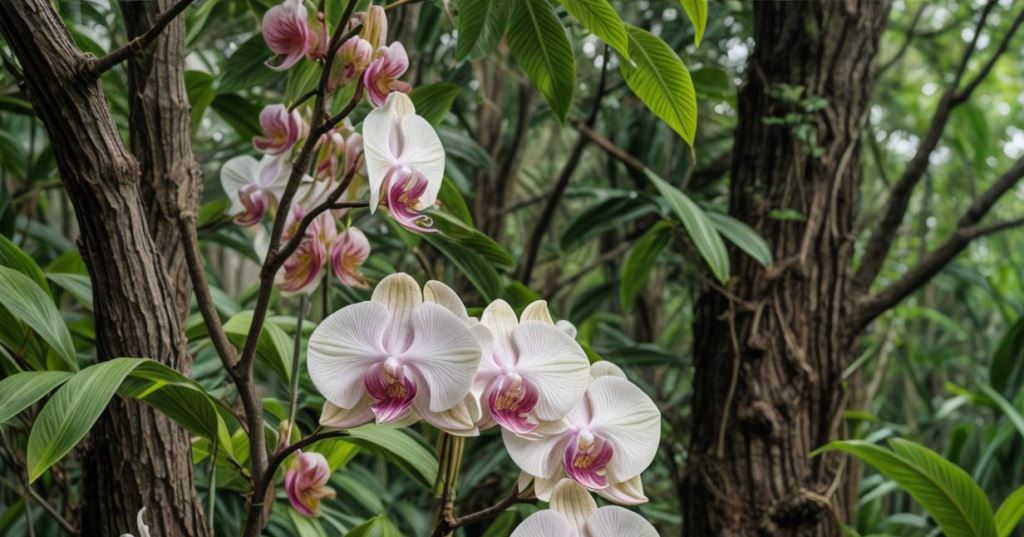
column 411, row 354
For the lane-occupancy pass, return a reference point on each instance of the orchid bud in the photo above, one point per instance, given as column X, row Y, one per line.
column 352, row 59
column 375, row 27
column 350, row 250
column 317, row 48
column 353, row 153
column 381, row 77
column 306, row 483
column 287, row 33
column 329, row 147
column 281, row 129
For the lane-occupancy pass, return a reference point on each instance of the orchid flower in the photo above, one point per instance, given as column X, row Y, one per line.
column 353, row 57
column 287, row 33
column 253, row 186
column 404, row 159
column 281, row 129
column 306, row 482
column 337, row 146
column 604, row 443
column 348, row 253
column 394, row 359
column 534, row 371
column 381, row 76
column 573, row 513
column 143, row 528
column 301, row 272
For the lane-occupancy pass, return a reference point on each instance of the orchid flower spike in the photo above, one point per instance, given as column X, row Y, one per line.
column 306, row 482
column 382, row 75
column 404, row 161
column 395, row 359
column 281, row 129
column 573, row 513
column 301, row 272
column 253, row 186
column 348, row 253
column 533, row 372
column 287, row 33
column 143, row 528
column 604, row 443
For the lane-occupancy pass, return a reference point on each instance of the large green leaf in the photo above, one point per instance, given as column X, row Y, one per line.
column 72, row 411
column 947, row 492
column 76, row 285
column 433, row 101
column 1006, row 370
column 1009, row 513
column 274, row 347
column 20, row 390
column 743, row 236
column 540, row 45
column 481, row 25
column 378, row 526
column 642, row 257
column 658, row 77
column 697, row 10
column 600, row 17
column 246, row 67
column 27, row 302
column 400, row 448
column 699, row 227
column 473, row 239
column 480, row 272
column 1006, row 408
column 13, row 257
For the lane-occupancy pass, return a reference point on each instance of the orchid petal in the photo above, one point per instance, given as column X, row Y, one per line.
column 555, row 363
column 442, row 295
column 342, row 348
column 543, row 487
column 236, row 173
column 423, row 152
column 567, row 327
column 501, row 319
column 628, row 492
column 545, row 523
column 445, row 353
column 573, row 502
column 457, row 421
column 540, row 457
column 378, row 130
column 335, row 417
column 399, row 293
column 604, row 368
column 614, row 521
column 626, row 416
column 537, row 311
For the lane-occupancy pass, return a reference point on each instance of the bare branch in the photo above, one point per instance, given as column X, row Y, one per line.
column 98, row 66
column 906, row 42
column 968, row 229
column 190, row 244
column 965, row 93
column 885, row 233
column 609, row 146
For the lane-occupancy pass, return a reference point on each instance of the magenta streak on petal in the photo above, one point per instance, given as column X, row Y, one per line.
column 586, row 457
column 254, row 200
column 510, row 397
column 404, row 189
column 392, row 390
column 291, row 485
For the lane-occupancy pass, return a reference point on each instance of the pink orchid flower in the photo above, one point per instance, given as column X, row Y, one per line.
column 306, row 482
column 281, row 129
column 394, row 359
column 404, row 161
column 351, row 62
column 301, row 272
column 604, row 443
column 573, row 513
column 348, row 253
column 338, row 146
column 381, row 77
column 287, row 33
column 253, row 186
column 532, row 372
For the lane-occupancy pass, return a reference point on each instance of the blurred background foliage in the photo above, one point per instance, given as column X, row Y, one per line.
column 937, row 369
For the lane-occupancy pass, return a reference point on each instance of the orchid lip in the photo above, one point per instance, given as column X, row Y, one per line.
column 392, row 390
column 586, row 457
column 510, row 400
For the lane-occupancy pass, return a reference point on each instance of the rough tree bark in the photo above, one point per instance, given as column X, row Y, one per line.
column 769, row 356
column 140, row 458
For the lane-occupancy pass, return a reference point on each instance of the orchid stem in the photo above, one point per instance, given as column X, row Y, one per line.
column 445, row 488
column 296, row 355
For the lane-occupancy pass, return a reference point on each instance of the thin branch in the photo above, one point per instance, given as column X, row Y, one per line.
column 906, row 42
column 98, row 66
column 968, row 229
column 193, row 258
column 883, row 236
column 261, row 487
column 546, row 215
column 609, row 146
column 963, row 94
column 490, row 512
column 68, row 527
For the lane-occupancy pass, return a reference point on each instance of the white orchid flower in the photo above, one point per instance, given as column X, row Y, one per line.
column 573, row 513
column 253, row 186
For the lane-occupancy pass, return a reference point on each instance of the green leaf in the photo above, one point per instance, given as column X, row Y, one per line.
column 400, row 448
column 274, row 347
column 947, row 492
column 246, row 68
column 378, row 526
column 473, row 239
column 26, row 301
column 451, row 200
column 481, row 273
column 433, row 101
column 239, row 112
column 659, row 78
column 20, row 390
column 199, row 86
column 72, row 411
column 76, row 285
column 1009, row 513
column 603, row 215
column 1005, row 407
column 1006, row 370
column 481, row 26
column 15, row 258
column 743, row 236
column 600, row 17
column 697, row 10
column 641, row 260
column 700, row 228
column 539, row 43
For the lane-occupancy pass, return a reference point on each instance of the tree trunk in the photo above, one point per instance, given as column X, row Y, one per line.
column 140, row 458
column 769, row 358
